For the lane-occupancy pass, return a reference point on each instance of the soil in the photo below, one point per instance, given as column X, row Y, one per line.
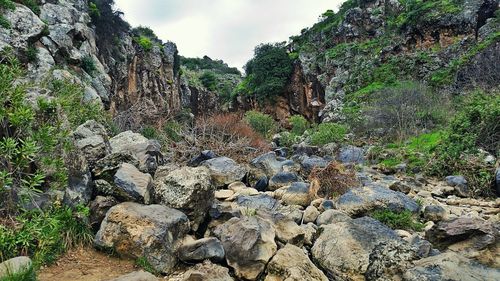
column 86, row 264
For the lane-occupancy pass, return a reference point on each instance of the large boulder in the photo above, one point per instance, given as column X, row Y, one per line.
column 187, row 189
column 362, row 200
column 292, row 264
column 298, row 193
column 132, row 185
column 17, row 265
column 449, row 266
column 148, row 152
column 343, row 249
column 200, row 250
column 270, row 164
column 224, row 170
column 153, row 232
column 460, row 185
column 106, row 167
column 92, row 139
column 309, row 163
column 248, row 243
column 282, row 179
column 351, row 154
column 389, row 260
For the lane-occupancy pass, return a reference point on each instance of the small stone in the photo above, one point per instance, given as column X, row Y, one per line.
column 236, row 186
column 403, row 233
column 223, row 194
column 434, row 213
column 310, row 214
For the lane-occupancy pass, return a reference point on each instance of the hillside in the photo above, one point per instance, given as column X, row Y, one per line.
column 365, row 148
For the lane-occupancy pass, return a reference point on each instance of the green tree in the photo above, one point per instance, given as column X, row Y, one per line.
column 209, row 80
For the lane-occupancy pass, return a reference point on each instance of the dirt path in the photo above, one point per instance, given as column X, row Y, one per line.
column 86, row 265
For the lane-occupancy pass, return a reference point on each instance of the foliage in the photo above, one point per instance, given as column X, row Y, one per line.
column 327, row 133
column 262, row 123
column 88, row 65
column 418, row 12
column 173, row 131
column 209, row 80
column 401, row 220
column 299, row 124
column 146, row 32
column 332, row 181
column 32, row 53
column 5, row 5
column 288, row 139
column 143, row 263
column 45, row 235
column 267, row 72
column 149, row 132
column 26, row 274
column 206, row 63
column 144, row 42
column 32, row 5
column 94, row 10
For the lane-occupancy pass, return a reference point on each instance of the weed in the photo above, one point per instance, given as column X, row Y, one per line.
column 143, row 263
column 328, row 133
column 401, row 220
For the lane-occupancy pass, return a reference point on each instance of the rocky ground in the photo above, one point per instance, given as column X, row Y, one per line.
column 216, row 219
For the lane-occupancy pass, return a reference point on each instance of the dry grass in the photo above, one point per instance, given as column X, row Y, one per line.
column 225, row 134
column 332, row 181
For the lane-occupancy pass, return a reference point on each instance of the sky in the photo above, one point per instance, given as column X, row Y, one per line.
column 224, row 29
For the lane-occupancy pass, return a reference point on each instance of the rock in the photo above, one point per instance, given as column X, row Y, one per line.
column 148, row 152
column 460, row 185
column 332, row 216
column 287, row 230
column 497, row 181
column 362, row 200
column 352, row 242
column 200, row 250
column 80, row 186
column 291, row 263
column 309, row 163
column 14, row 266
column 187, row 189
column 351, row 154
column 98, row 209
column 297, row 194
column 310, row 230
column 236, row 186
column 268, row 164
column 401, row 187
column 136, row 230
column 258, row 202
column 389, row 260
column 92, row 139
column 207, row 271
column 424, row 247
column 327, row 205
column 481, row 232
column 449, row 266
column 137, row 276
column 303, row 149
column 248, row 243
column 282, row 179
column 224, row 171
column 132, row 185
column 223, row 194
column 434, row 213
column 106, row 167
column 25, row 28
column 262, row 184
column 204, row 155
column 310, row 214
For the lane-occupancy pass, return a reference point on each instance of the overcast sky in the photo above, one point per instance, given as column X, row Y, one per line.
column 224, row 29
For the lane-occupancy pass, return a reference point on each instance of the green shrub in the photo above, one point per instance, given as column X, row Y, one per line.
column 94, row 11
column 328, row 133
column 32, row 53
column 299, row 124
column 288, row 139
column 44, row 236
column 150, row 132
column 262, row 123
column 209, row 80
column 145, row 43
column 402, row 220
column 173, row 131
column 32, row 5
column 88, row 65
column 27, row 274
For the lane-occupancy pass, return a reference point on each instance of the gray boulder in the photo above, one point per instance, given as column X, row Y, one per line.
column 98, row 209
column 203, row 156
column 282, row 179
column 133, row 185
column 200, row 250
column 351, row 154
column 343, row 249
column 80, row 186
column 14, row 266
column 434, row 213
column 297, row 194
column 269, row 164
column 389, row 260
column 224, row 170
column 460, row 185
column 206, row 271
column 106, row 167
column 291, row 263
column 92, row 139
column 332, row 216
column 362, row 200
column 187, row 189
column 153, row 232
column 309, row 163
column 25, row 26
column 248, row 243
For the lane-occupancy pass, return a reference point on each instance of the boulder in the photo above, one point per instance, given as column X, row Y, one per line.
column 389, row 260
column 262, row 184
column 297, row 194
column 269, row 164
column 460, row 185
column 80, row 186
column 132, row 185
column 92, row 139
column 362, row 200
column 449, row 266
column 106, row 167
column 17, row 265
column 282, row 179
column 248, row 243
column 153, row 232
column 203, row 156
column 207, row 271
column 291, row 263
column 137, row 276
column 351, row 154
column 224, row 171
column 310, row 230
column 352, row 242
column 332, row 216
column 309, row 163
column 200, row 250
column 310, row 214
column 187, row 189
column 434, row 213
column 148, row 152
column 98, row 209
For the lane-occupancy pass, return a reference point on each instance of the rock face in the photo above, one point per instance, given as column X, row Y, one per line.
column 290, row 263
column 224, row 170
column 187, row 189
column 358, row 201
column 352, row 242
column 248, row 243
column 136, row 230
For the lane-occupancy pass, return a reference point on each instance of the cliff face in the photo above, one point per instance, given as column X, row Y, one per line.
column 63, row 41
column 451, row 46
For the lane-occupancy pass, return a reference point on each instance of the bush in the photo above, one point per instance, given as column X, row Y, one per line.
column 209, row 80
column 262, row 123
column 332, row 181
column 150, row 132
column 88, row 65
column 173, row 131
column 328, row 133
column 402, row 220
column 145, row 43
column 94, row 10
column 299, row 124
column 44, row 236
